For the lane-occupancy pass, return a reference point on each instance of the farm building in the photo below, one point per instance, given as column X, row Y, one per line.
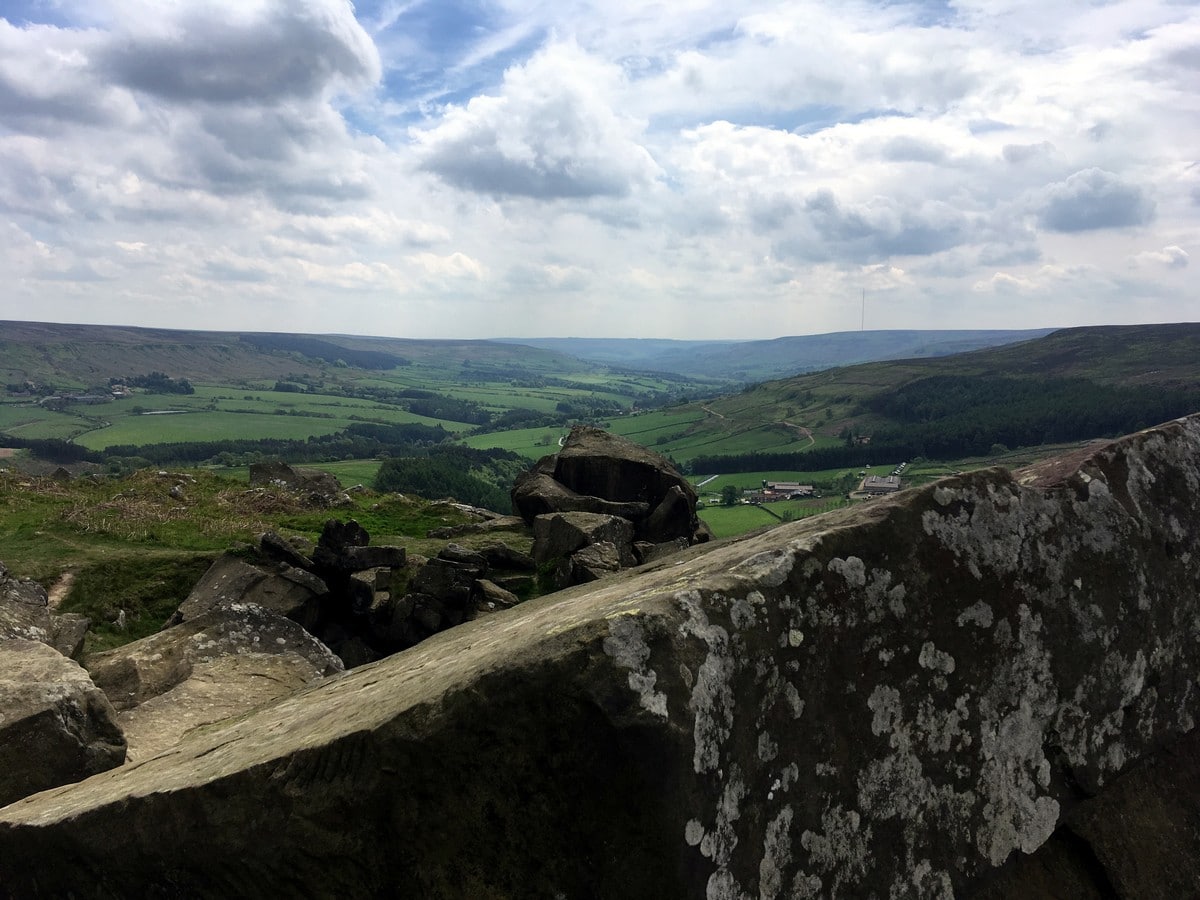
column 786, row 490
column 881, row 484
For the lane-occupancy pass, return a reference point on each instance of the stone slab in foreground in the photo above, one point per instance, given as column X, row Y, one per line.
column 894, row 701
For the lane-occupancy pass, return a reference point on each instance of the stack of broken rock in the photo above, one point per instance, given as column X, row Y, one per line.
column 604, row 503
column 267, row 620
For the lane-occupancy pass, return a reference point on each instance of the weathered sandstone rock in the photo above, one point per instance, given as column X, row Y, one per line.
column 537, row 493
column 56, row 727
column 601, row 464
column 897, row 700
column 278, row 587
column 214, row 690
column 24, row 609
column 605, row 474
column 25, row 613
column 593, row 562
column 132, row 674
column 67, row 633
column 1138, row 838
column 490, row 596
column 558, row 535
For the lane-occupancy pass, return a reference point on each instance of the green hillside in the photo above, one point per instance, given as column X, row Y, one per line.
column 1074, row 384
column 744, row 361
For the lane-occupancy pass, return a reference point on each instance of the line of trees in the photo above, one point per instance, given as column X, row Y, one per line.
column 155, row 383
column 477, row 477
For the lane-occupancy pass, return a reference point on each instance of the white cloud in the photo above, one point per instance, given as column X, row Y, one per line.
column 550, row 133
column 1094, row 199
column 1171, row 256
column 1003, row 283
column 248, row 51
column 453, row 265
column 558, row 168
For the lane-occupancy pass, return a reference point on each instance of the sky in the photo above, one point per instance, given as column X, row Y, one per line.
column 536, row 168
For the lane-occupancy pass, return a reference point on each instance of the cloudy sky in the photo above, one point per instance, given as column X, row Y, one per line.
column 687, row 169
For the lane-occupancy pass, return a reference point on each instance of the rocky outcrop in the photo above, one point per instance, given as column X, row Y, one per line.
column 603, row 473
column 56, row 727
column 598, row 476
column 363, row 601
column 136, row 672
column 560, row 534
column 898, row 700
column 224, row 661
column 25, row 613
column 280, row 587
column 317, row 488
column 24, row 609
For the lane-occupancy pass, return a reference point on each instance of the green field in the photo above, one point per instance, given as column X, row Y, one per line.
column 30, row 421
column 205, row 426
column 730, row 521
column 533, row 443
column 348, row 471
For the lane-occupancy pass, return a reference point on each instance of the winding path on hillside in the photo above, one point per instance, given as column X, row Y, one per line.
column 803, row 432
column 59, row 590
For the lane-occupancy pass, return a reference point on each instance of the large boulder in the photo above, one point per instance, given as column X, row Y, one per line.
column 673, row 517
column 278, row 587
column 559, row 535
column 136, row 672
column 224, row 662
column 56, row 726
column 216, row 690
column 601, row 464
column 897, row 700
column 536, row 493
column 601, row 473
column 593, row 562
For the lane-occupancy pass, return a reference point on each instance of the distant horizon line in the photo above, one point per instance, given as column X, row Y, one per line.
column 510, row 339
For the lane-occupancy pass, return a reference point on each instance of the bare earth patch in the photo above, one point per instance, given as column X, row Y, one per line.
column 59, row 590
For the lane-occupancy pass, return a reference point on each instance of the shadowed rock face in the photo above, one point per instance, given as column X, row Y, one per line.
column 600, row 473
column 898, row 700
column 55, row 725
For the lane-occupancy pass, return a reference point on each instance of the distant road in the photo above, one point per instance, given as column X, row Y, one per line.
column 802, row 431
column 707, row 480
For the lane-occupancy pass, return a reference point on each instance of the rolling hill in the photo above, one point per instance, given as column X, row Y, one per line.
column 1073, row 383
column 747, row 361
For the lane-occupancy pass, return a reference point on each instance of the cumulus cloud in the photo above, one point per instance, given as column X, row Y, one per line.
column 357, row 166
column 885, row 226
column 1172, row 257
column 1003, row 283
column 1092, row 199
column 550, row 133
column 46, row 78
column 247, row 51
